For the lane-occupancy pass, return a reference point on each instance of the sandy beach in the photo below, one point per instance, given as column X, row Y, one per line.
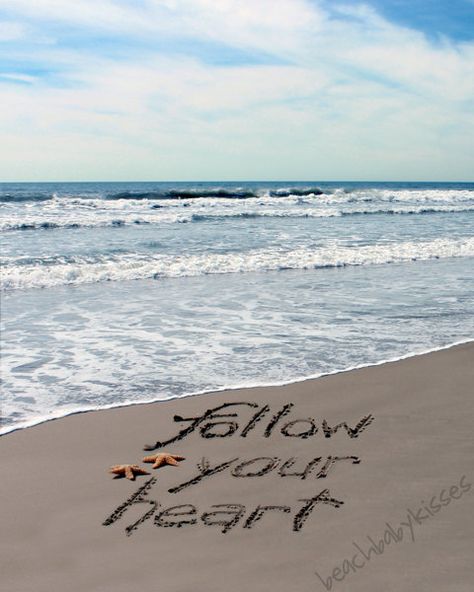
column 271, row 496
column 236, row 321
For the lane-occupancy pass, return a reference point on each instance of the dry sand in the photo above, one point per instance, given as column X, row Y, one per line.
column 416, row 453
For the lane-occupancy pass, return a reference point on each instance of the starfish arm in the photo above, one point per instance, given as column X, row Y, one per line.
column 159, row 462
column 157, row 459
column 128, row 471
column 163, row 458
column 171, row 461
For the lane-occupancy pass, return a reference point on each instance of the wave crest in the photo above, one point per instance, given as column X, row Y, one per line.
column 63, row 219
column 133, row 266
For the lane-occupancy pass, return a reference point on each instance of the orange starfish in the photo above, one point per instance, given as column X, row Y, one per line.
column 163, row 458
column 128, row 471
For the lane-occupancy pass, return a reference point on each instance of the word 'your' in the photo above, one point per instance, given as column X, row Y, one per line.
column 262, row 465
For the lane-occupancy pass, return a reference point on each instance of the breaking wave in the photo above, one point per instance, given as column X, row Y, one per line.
column 215, row 192
column 105, row 219
column 14, row 197
column 134, row 266
column 163, row 194
column 337, row 194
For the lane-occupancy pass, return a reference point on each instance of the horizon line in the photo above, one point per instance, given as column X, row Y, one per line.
column 241, row 181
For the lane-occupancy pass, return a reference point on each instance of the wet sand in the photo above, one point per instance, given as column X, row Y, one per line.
column 271, row 495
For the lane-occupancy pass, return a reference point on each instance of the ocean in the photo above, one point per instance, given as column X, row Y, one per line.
column 122, row 293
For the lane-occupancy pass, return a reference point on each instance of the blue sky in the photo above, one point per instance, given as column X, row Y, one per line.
column 236, row 89
column 453, row 18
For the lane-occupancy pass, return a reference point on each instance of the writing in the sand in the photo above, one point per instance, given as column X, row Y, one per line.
column 263, row 465
column 223, row 516
column 224, row 421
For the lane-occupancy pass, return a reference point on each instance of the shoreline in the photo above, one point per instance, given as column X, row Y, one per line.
column 277, row 485
column 36, row 422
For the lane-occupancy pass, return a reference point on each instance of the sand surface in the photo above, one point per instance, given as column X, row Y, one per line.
column 393, row 513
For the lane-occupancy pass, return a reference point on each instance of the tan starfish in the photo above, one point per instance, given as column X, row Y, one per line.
column 128, row 471
column 163, row 458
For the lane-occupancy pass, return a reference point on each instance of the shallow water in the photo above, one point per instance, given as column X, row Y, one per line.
column 109, row 299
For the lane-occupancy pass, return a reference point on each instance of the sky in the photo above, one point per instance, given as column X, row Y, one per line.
column 129, row 90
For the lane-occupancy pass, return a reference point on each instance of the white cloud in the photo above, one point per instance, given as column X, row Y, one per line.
column 18, row 77
column 11, row 31
column 359, row 97
column 91, row 13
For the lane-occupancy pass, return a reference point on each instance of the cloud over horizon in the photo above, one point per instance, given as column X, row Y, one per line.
column 231, row 90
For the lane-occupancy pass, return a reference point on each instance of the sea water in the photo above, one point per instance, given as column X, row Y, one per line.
column 118, row 293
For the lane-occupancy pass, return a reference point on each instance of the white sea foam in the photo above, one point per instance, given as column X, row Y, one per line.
column 74, row 410
column 133, row 266
column 47, row 219
column 95, row 212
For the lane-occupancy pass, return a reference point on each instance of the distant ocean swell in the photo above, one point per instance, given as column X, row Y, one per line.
column 20, row 274
column 338, row 194
column 216, row 192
